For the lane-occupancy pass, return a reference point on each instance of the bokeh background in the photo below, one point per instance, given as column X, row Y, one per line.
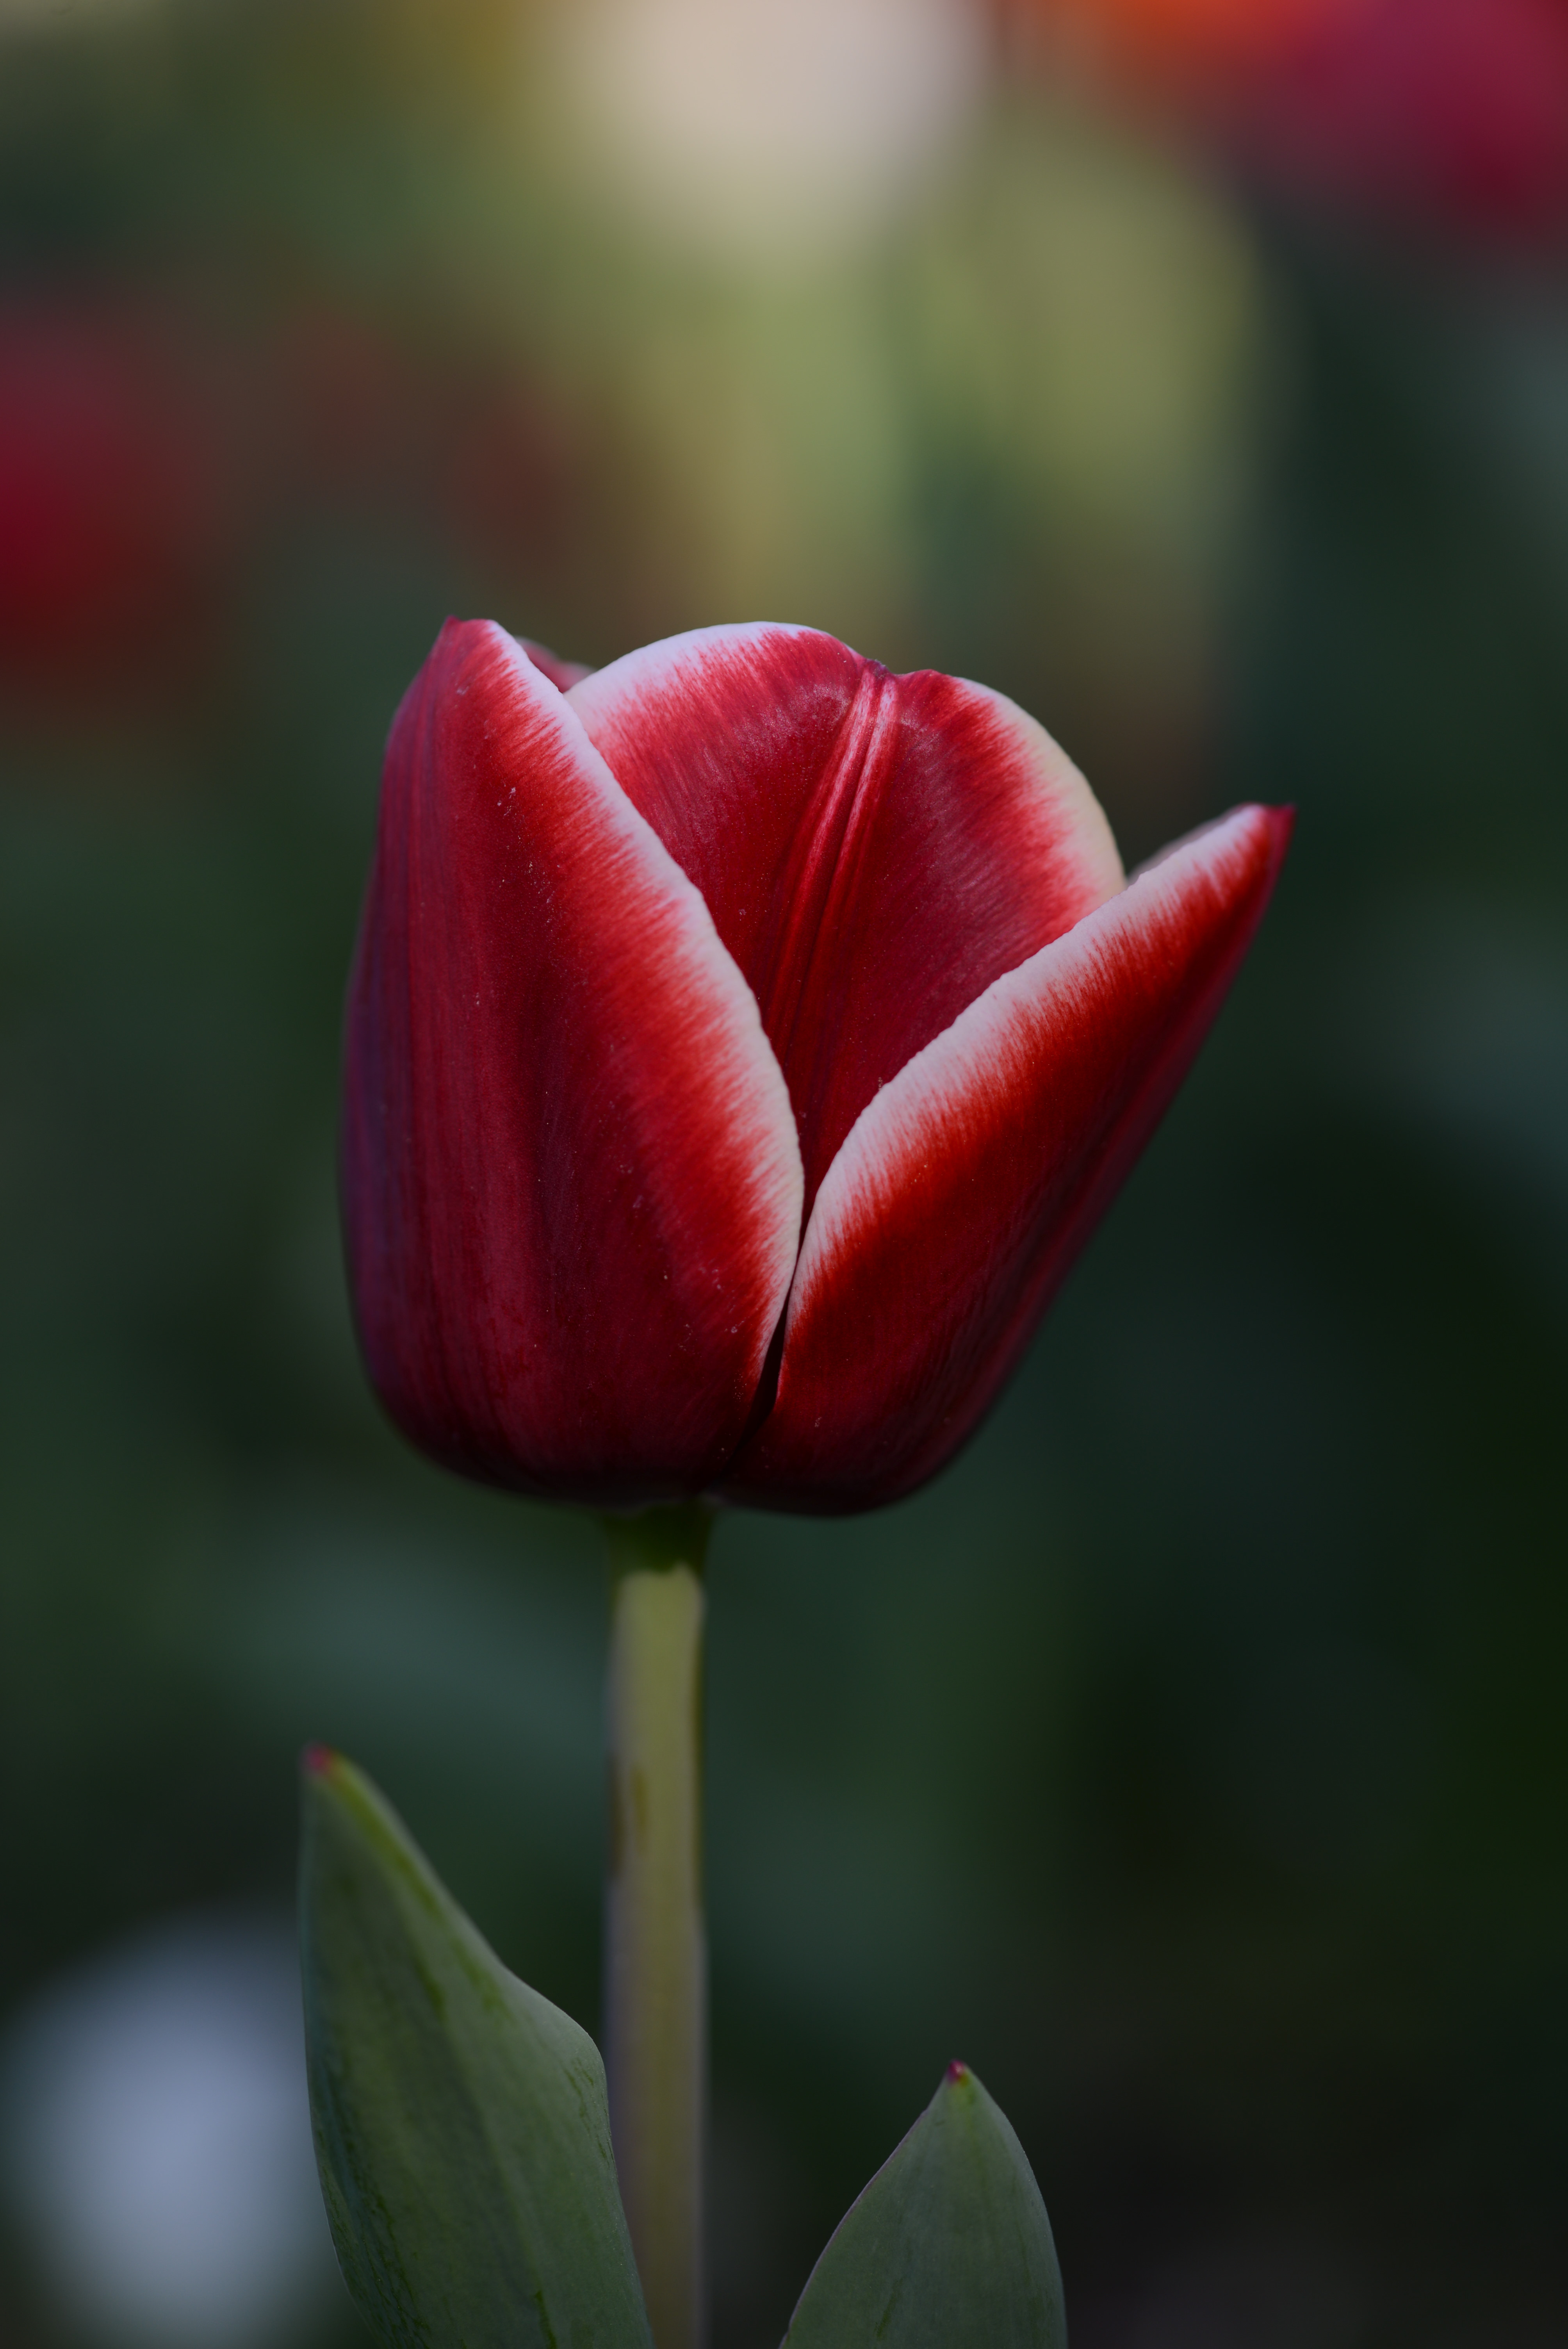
column 1194, row 1757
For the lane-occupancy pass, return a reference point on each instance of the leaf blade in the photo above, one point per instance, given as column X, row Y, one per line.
column 463, row 2133
column 948, row 2246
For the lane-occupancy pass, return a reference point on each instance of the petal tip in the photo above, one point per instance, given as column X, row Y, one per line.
column 562, row 673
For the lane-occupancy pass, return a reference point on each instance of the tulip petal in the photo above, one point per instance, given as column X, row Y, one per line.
column 572, row 1184
column 876, row 850
column 970, row 1183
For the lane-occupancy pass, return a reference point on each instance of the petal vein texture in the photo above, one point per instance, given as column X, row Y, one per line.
column 876, row 850
column 742, row 1043
column 970, row 1183
column 572, row 1184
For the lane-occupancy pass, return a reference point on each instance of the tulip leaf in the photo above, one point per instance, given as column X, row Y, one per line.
column 461, row 2120
column 949, row 2247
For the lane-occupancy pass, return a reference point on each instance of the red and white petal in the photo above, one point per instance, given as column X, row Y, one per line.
column 572, row 1185
column 876, row 850
column 564, row 674
column 970, row 1184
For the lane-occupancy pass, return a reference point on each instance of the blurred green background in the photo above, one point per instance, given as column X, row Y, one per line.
column 1192, row 1758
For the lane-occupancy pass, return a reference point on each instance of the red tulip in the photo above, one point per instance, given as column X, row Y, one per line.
column 742, row 1043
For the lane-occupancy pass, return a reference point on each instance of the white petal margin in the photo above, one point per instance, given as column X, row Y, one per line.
column 967, row 1186
column 741, row 658
column 717, row 1028
column 572, row 1185
column 1065, row 792
column 600, row 694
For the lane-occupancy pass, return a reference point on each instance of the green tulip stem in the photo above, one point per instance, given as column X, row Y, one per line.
column 655, row 1951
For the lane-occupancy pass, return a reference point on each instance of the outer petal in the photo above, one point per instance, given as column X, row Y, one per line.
column 876, row 850
column 971, row 1181
column 571, row 1188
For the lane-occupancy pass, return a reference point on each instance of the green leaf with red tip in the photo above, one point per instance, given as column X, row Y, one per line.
column 461, row 2120
column 949, row 2247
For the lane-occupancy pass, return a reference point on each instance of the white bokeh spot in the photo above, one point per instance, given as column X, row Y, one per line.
column 758, row 127
column 156, row 2139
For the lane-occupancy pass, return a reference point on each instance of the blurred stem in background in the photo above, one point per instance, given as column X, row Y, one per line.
column 655, row 1949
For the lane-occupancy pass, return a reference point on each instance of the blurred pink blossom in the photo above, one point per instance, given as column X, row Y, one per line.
column 1456, row 110
column 1452, row 111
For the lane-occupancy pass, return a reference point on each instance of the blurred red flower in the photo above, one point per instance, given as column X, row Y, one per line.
column 119, row 497
column 1453, row 110
column 1194, row 42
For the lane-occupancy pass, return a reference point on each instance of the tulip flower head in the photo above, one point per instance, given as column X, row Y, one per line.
column 742, row 1043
